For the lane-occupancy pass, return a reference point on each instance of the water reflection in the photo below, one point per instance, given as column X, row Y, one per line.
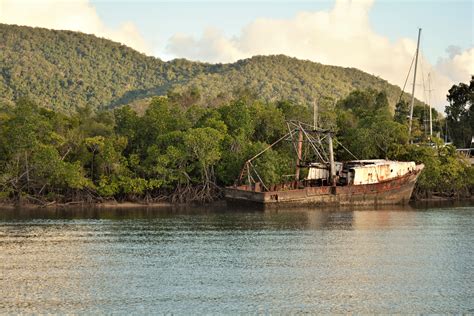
column 213, row 260
column 219, row 215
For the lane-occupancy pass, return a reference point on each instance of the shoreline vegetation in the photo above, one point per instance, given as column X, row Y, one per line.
column 179, row 153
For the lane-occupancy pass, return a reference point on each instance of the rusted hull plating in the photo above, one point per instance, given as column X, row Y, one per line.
column 396, row 191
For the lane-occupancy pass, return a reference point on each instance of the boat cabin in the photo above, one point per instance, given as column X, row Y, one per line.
column 359, row 172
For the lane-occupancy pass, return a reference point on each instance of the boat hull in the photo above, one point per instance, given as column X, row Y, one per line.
column 394, row 191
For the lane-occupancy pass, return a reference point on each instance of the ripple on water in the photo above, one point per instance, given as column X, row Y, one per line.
column 285, row 261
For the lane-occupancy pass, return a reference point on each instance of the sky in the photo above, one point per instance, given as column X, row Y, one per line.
column 376, row 36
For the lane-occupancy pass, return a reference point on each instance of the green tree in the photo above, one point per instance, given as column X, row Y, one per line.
column 402, row 112
column 366, row 127
column 204, row 146
column 460, row 113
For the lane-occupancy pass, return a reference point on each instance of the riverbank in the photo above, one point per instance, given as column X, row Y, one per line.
column 167, row 205
column 104, row 205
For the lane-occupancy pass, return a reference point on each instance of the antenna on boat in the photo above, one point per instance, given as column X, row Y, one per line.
column 414, row 82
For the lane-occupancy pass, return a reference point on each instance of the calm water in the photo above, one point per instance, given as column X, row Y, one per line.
column 221, row 261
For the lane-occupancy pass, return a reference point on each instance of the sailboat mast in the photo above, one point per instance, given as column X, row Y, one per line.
column 429, row 103
column 414, row 82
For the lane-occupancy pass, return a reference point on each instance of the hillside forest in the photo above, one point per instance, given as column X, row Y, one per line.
column 63, row 70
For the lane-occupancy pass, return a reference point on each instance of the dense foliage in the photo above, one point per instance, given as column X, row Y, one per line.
column 460, row 114
column 171, row 152
column 180, row 152
column 63, row 70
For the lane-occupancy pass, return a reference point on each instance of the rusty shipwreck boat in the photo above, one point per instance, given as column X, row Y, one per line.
column 326, row 182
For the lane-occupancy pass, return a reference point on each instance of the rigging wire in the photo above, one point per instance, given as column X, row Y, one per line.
column 425, row 125
column 346, row 149
column 406, row 80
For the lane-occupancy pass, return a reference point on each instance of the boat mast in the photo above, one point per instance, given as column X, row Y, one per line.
column 332, row 165
column 299, row 153
column 414, row 82
column 429, row 103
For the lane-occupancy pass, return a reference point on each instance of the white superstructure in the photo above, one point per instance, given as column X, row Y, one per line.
column 360, row 172
column 374, row 171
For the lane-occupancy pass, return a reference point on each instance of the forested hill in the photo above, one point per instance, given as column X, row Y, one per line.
column 64, row 69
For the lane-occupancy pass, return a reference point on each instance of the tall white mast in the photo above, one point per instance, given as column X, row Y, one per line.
column 414, row 82
column 429, row 103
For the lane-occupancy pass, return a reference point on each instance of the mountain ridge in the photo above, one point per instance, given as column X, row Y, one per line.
column 64, row 69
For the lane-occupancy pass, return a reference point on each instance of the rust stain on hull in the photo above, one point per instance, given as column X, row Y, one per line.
column 395, row 191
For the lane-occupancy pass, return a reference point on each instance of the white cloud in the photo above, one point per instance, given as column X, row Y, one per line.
column 213, row 45
column 74, row 15
column 458, row 66
column 341, row 36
